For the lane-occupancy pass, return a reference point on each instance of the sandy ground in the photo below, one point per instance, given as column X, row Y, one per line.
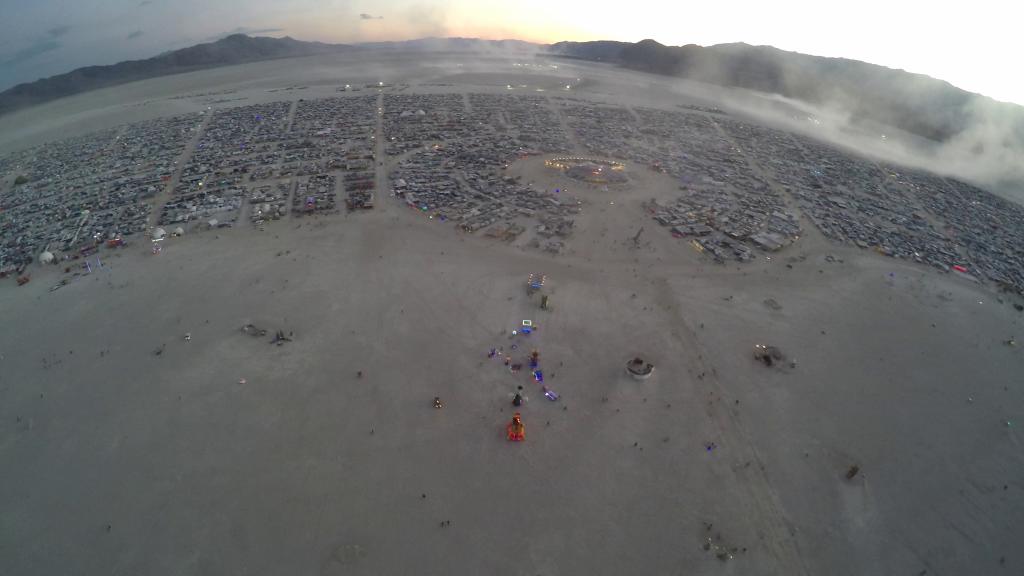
column 117, row 460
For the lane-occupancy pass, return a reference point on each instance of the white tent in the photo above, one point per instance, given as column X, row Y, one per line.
column 212, row 222
column 46, row 257
column 159, row 234
column 179, row 231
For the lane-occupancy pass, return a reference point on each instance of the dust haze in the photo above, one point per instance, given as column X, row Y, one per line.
column 986, row 152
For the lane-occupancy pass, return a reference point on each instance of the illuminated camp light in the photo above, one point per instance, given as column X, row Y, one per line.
column 589, row 169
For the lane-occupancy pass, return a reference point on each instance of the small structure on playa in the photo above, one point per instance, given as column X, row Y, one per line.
column 159, row 234
column 516, row 431
column 535, row 283
column 46, row 257
column 639, row 368
column 769, row 355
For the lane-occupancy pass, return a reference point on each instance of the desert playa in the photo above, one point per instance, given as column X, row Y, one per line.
column 260, row 399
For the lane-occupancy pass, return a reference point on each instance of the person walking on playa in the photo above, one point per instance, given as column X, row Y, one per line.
column 518, row 399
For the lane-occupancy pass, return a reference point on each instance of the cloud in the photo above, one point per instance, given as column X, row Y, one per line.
column 47, row 42
column 135, row 34
column 370, row 17
column 58, row 31
column 31, row 51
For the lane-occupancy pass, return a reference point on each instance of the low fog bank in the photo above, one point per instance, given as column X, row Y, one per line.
column 927, row 122
column 986, row 152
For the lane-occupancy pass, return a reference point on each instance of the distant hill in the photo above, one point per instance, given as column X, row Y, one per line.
column 234, row 49
column 919, row 104
column 598, row 50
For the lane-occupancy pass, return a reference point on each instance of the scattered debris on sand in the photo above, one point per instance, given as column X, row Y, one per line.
column 252, row 330
column 718, row 546
column 852, row 471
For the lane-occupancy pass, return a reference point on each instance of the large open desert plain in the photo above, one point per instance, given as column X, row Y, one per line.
column 888, row 441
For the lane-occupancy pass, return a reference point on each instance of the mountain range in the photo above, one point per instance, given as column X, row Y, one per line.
column 918, row 104
column 234, row 49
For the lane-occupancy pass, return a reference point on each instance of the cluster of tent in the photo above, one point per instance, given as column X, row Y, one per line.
column 160, row 233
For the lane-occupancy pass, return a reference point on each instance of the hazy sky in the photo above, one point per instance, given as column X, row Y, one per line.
column 974, row 45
